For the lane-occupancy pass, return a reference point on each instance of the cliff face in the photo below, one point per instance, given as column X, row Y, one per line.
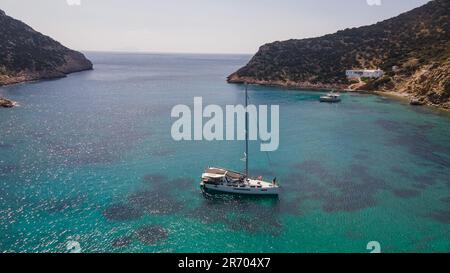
column 416, row 43
column 27, row 55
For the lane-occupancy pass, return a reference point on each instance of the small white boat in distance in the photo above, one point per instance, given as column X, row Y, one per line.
column 226, row 181
column 331, row 97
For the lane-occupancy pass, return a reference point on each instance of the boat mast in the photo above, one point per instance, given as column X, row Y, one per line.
column 246, row 131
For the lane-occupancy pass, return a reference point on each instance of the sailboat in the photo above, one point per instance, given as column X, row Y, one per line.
column 222, row 180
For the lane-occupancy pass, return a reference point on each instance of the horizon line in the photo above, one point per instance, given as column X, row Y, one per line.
column 160, row 52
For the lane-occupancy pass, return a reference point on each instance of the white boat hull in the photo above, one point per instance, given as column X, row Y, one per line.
column 330, row 100
column 241, row 190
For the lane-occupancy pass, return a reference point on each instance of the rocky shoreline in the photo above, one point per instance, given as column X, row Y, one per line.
column 404, row 96
column 286, row 84
column 35, row 76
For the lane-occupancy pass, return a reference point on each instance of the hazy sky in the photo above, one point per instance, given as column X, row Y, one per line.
column 200, row 26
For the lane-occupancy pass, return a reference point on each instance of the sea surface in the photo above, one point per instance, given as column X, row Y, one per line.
column 88, row 164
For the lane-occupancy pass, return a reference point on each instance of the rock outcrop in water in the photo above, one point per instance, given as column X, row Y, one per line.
column 27, row 55
column 412, row 48
column 6, row 103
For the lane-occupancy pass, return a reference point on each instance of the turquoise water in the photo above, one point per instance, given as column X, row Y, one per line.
column 89, row 158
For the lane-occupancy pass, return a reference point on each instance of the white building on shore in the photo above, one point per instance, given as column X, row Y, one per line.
column 364, row 73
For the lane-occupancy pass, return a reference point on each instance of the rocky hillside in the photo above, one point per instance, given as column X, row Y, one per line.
column 27, row 55
column 412, row 48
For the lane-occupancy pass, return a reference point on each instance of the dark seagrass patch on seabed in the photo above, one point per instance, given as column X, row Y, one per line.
column 123, row 241
column 354, row 190
column 302, row 184
column 315, row 168
column 422, row 244
column 156, row 199
column 5, row 145
column 161, row 184
column 59, row 205
column 6, row 169
column 389, row 125
column 122, row 212
column 358, row 188
column 155, row 179
column 348, row 203
column 240, row 213
column 252, row 224
column 395, row 126
column 155, row 202
column 441, row 216
column 425, row 126
column 419, row 145
column 159, row 197
column 151, row 235
column 414, row 139
column 424, row 181
column 421, row 182
column 361, row 156
column 406, row 193
column 446, row 199
column 291, row 206
column 398, row 170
